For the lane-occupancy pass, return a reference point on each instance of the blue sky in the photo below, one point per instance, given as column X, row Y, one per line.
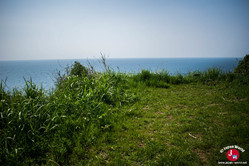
column 57, row 29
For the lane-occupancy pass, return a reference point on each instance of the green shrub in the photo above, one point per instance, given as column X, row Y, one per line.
column 243, row 66
column 79, row 70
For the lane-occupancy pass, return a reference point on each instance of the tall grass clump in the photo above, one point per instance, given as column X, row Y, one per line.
column 211, row 74
column 158, row 80
column 209, row 77
column 55, row 128
column 25, row 124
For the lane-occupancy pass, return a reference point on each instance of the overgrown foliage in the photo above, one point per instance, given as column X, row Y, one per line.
column 243, row 67
column 159, row 80
column 79, row 70
column 40, row 128
column 163, row 79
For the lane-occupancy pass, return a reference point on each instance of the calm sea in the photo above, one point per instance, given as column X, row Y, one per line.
column 43, row 72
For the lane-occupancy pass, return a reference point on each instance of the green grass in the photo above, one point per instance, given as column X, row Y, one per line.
column 113, row 118
column 186, row 124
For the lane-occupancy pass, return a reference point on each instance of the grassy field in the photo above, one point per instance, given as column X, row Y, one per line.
column 186, row 124
column 114, row 118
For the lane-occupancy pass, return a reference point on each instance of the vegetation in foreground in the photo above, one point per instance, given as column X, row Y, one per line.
column 113, row 118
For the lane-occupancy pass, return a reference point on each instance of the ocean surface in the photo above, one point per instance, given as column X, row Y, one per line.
column 43, row 72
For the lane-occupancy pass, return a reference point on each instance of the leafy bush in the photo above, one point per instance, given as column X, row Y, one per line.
column 79, row 70
column 243, row 66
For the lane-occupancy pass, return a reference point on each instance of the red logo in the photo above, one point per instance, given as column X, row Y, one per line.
column 233, row 155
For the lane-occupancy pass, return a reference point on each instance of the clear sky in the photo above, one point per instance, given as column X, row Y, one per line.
column 71, row 29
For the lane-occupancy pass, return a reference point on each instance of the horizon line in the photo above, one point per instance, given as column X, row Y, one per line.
column 2, row 60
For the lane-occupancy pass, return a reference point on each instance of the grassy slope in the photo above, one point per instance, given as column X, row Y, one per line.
column 186, row 124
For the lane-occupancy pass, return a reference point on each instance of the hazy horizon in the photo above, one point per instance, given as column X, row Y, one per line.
column 98, row 58
column 44, row 30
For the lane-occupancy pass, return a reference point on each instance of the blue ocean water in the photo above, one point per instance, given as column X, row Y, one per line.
column 43, row 72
